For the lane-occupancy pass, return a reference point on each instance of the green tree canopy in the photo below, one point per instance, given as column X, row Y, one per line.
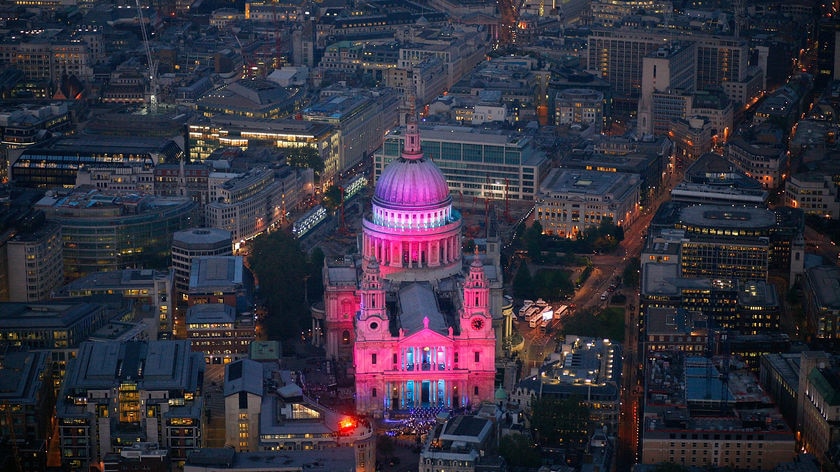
column 332, row 197
column 519, row 451
column 305, row 157
column 522, row 282
column 282, row 273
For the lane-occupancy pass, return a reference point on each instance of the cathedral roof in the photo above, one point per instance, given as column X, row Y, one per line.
column 418, row 301
column 411, row 181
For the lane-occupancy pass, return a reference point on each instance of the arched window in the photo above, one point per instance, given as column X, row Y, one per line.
column 345, row 337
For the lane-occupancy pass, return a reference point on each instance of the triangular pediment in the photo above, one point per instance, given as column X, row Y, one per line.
column 427, row 336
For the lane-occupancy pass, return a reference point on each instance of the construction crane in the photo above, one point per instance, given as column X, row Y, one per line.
column 153, row 85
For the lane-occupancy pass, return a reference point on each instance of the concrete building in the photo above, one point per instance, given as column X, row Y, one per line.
column 714, row 180
column 815, row 193
column 246, row 204
column 669, row 328
column 570, row 201
column 459, row 444
column 648, row 158
column 668, row 71
column 55, row 164
column 331, row 460
column 692, row 138
column 220, row 279
column 362, row 120
column 34, row 261
column 765, row 162
column 476, row 163
column 209, row 134
column 54, row 326
column 617, row 55
column 124, row 393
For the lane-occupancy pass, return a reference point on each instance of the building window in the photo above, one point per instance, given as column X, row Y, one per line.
column 373, row 392
column 455, row 359
column 475, row 390
column 477, row 356
column 373, row 359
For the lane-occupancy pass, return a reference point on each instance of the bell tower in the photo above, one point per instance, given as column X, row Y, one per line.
column 373, row 317
column 475, row 316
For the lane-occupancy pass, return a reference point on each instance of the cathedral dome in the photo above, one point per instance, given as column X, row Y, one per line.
column 411, row 180
column 411, row 183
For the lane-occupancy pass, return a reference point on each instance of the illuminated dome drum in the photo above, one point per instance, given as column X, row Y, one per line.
column 412, row 230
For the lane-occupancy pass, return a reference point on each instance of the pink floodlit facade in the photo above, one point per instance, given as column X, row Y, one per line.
column 416, row 326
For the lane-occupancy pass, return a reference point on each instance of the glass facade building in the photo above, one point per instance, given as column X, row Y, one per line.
column 104, row 232
column 476, row 163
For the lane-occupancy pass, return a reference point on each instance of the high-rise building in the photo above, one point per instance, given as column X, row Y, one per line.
column 420, row 330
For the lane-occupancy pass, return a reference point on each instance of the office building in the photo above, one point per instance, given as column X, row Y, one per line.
column 118, row 394
column 102, row 231
column 722, row 417
column 246, row 204
column 330, row 460
column 138, row 457
column 460, row 443
column 253, row 98
column 419, row 328
column 266, row 410
column 579, row 107
column 34, row 260
column 765, row 162
column 570, row 201
column 209, row 134
column 692, row 137
column 55, row 164
column 53, row 326
column 617, row 55
column 475, row 162
column 220, row 332
column 667, row 73
column 582, row 368
column 669, row 328
column 190, row 244
column 822, row 301
column 714, row 180
column 648, row 158
column 361, row 119
column 27, row 401
column 151, row 291
column 220, row 279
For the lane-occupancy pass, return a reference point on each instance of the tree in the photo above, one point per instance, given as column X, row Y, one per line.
column 533, row 239
column 305, row 157
column 522, row 282
column 281, row 269
column 332, row 198
column 560, row 421
column 630, row 276
column 519, row 451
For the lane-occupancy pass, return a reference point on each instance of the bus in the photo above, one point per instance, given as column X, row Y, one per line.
column 309, row 220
